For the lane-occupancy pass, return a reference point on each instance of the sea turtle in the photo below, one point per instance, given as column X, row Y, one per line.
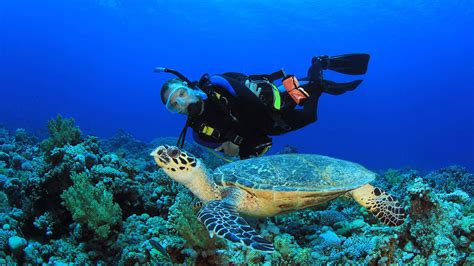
column 271, row 185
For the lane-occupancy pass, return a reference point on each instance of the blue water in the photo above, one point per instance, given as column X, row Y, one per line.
column 93, row 60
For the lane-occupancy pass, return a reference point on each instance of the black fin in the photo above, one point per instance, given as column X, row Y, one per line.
column 334, row 88
column 351, row 64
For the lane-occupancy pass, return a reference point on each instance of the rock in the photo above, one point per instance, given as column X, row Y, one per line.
column 7, row 147
column 16, row 244
column 3, row 179
column 6, row 227
column 408, row 247
column 407, row 256
column 331, row 237
column 26, row 166
column 4, row 157
column 349, row 228
column 464, row 242
column 90, row 160
column 17, row 160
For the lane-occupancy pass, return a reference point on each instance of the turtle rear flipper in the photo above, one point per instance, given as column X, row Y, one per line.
column 383, row 205
column 221, row 218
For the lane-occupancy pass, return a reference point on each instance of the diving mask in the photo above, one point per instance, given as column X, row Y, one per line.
column 181, row 98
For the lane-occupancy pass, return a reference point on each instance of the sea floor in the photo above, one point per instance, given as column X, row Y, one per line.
column 77, row 199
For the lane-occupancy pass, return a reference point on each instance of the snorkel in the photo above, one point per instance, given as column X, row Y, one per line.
column 177, row 74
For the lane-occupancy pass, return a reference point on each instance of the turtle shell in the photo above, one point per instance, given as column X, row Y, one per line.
column 294, row 172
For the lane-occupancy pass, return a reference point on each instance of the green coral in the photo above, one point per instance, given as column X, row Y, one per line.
column 183, row 220
column 4, row 206
column 466, row 224
column 289, row 251
column 348, row 228
column 91, row 206
column 393, row 176
column 3, row 168
column 62, row 131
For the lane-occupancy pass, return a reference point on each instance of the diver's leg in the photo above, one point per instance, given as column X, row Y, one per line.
column 320, row 63
column 305, row 114
column 315, row 71
column 335, row 88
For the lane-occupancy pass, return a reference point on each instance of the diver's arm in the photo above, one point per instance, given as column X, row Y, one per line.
column 229, row 148
column 255, row 147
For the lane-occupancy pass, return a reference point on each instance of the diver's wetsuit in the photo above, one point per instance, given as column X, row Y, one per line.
column 239, row 116
column 246, row 110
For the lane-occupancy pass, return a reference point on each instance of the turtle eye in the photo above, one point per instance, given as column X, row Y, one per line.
column 159, row 151
column 173, row 152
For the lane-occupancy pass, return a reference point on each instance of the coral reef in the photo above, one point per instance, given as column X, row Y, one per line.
column 75, row 199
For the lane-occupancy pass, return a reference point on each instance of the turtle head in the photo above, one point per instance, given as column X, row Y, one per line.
column 186, row 169
column 176, row 163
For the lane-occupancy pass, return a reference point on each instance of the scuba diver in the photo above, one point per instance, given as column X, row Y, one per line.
column 237, row 114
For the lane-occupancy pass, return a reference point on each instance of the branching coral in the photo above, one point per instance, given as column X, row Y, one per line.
column 434, row 220
column 450, row 178
column 290, row 252
column 330, row 217
column 359, row 245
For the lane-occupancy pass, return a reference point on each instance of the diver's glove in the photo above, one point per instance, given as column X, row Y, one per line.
column 229, row 148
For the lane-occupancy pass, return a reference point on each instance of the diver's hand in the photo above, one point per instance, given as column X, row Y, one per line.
column 229, row 148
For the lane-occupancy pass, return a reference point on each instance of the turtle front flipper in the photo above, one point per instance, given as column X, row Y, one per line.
column 383, row 205
column 221, row 218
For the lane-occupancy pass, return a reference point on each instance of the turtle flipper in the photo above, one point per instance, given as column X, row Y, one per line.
column 383, row 205
column 221, row 218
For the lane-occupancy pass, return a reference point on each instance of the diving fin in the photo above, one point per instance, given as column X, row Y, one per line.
column 351, row 64
column 335, row 88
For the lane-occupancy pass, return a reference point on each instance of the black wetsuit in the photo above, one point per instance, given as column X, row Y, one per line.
column 242, row 118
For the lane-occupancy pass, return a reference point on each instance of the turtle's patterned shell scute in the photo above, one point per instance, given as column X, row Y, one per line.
column 294, row 172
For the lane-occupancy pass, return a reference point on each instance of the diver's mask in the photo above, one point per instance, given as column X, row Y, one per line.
column 185, row 100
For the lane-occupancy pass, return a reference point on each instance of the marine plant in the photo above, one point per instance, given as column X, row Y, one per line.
column 61, row 131
column 92, row 206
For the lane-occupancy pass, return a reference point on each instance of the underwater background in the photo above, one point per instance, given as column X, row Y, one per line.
column 80, row 187
column 93, row 60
